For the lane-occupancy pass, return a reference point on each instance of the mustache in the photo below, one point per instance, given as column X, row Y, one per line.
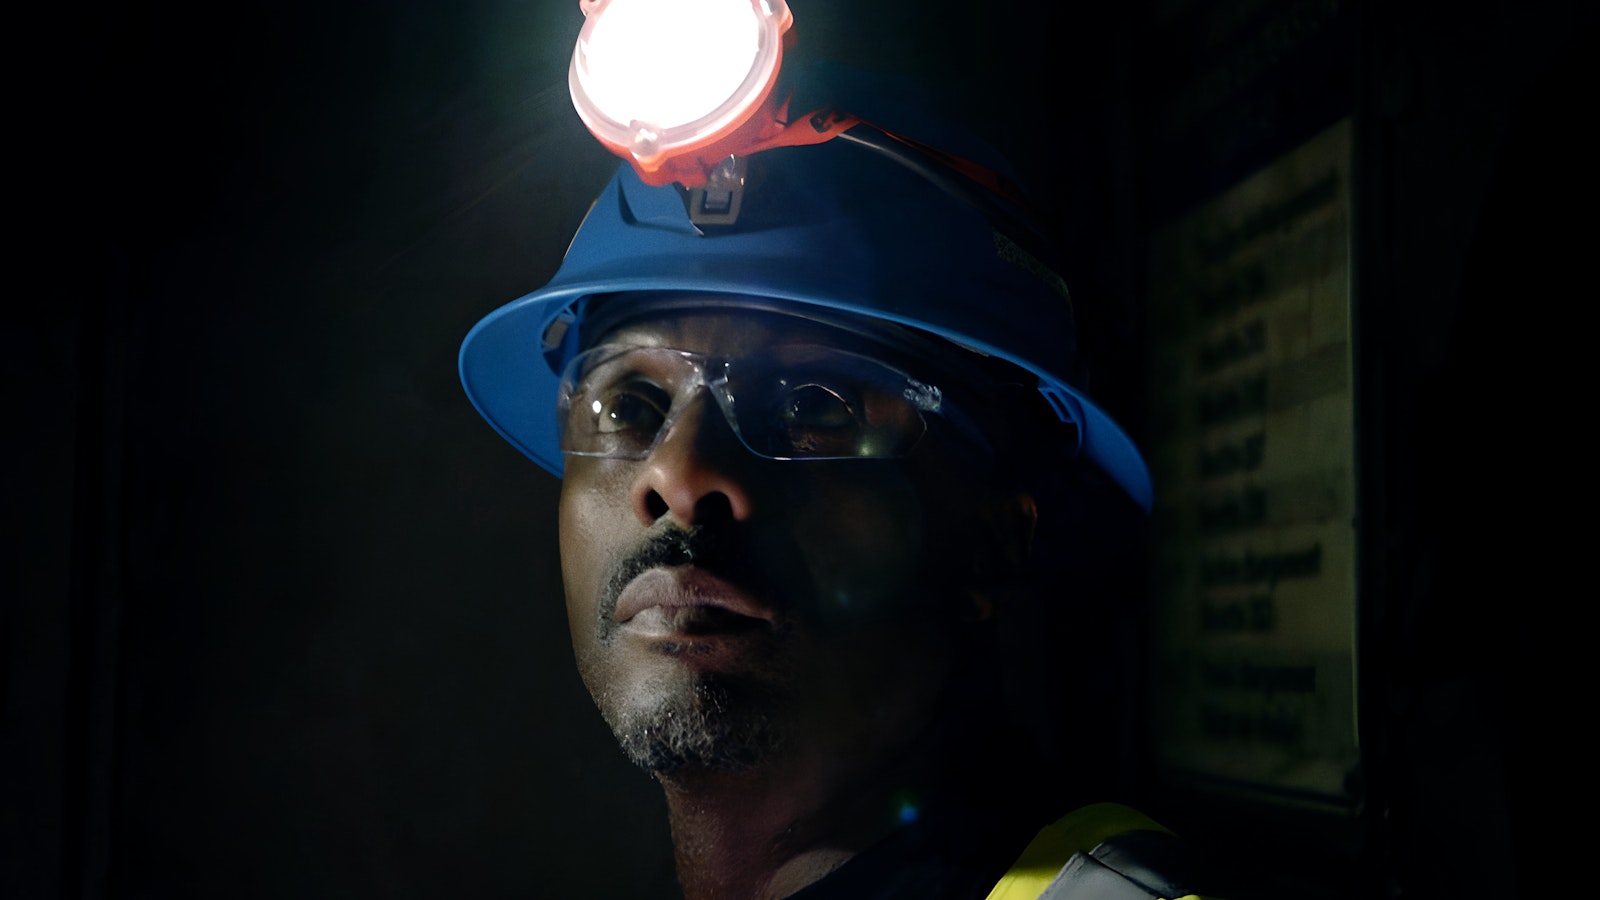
column 676, row 546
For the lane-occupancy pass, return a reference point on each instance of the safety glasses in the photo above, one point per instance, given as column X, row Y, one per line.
column 788, row 402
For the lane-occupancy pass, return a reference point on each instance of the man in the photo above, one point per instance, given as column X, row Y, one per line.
column 807, row 455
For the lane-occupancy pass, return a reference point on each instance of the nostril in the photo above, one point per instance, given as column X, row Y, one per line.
column 714, row 507
column 655, row 506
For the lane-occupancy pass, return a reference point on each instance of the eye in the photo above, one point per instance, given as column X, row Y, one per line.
column 637, row 407
column 816, row 406
column 816, row 420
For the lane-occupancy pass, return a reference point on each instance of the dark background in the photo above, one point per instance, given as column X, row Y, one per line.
column 280, row 614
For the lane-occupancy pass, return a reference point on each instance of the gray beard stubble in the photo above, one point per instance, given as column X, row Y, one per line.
column 701, row 726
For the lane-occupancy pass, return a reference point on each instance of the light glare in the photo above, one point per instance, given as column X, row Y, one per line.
column 668, row 64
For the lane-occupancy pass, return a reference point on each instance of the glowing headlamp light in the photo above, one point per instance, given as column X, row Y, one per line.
column 675, row 86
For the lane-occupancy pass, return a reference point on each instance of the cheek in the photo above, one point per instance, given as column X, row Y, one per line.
column 863, row 542
column 594, row 522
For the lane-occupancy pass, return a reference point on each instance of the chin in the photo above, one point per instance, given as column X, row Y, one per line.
column 711, row 723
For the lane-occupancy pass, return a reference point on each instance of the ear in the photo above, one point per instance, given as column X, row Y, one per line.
column 1006, row 525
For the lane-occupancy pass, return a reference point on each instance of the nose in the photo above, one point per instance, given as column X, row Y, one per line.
column 697, row 471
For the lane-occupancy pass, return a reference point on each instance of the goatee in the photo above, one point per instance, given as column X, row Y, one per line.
column 715, row 724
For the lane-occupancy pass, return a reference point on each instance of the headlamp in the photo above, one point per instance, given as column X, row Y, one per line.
column 684, row 90
column 676, row 87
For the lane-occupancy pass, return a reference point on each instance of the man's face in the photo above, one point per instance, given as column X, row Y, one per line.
column 728, row 609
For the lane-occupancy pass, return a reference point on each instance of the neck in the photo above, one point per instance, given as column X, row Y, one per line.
column 770, row 831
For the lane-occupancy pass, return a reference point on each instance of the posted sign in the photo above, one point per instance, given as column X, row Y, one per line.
column 1252, row 447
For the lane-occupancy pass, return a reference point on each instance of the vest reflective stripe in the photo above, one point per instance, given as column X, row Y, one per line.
column 1079, row 831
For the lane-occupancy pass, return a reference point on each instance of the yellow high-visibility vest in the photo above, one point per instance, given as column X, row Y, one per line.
column 1061, row 857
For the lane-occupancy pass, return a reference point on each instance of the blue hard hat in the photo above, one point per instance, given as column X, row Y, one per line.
column 836, row 228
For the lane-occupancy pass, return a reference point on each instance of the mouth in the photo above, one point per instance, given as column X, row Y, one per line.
column 688, row 601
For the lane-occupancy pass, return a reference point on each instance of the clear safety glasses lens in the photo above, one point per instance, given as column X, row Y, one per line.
column 790, row 402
